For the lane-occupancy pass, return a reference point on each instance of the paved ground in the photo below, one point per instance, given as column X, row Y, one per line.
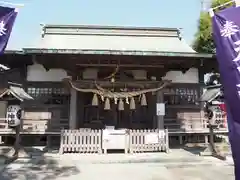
column 178, row 165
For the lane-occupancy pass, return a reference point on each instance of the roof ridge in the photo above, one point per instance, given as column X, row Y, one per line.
column 86, row 26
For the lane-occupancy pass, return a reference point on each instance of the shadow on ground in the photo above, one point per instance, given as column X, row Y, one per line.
column 35, row 167
column 195, row 150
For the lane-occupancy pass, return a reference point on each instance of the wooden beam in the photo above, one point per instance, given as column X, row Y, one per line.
column 121, row 65
column 119, row 81
column 132, row 83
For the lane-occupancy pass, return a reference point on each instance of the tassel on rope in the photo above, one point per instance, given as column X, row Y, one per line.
column 143, row 100
column 132, row 104
column 139, row 97
column 95, row 100
column 107, row 104
column 115, row 100
column 120, row 105
column 127, row 100
column 102, row 98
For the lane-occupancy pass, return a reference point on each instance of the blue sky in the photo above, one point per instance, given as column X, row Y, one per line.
column 158, row 13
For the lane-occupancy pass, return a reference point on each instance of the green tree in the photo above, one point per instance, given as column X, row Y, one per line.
column 203, row 42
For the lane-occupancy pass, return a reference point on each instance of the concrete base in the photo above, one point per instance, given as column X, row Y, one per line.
column 21, row 154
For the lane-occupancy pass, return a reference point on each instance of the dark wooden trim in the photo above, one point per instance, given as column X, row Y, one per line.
column 121, row 65
column 107, row 83
column 116, row 52
column 185, row 85
column 44, row 84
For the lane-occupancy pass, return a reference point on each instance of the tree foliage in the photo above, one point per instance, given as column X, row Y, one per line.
column 203, row 42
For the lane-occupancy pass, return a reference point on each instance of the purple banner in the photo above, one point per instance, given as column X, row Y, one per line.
column 226, row 32
column 7, row 18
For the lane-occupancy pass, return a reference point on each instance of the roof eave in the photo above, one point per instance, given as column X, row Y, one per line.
column 13, row 52
column 214, row 86
column 210, row 95
column 115, row 52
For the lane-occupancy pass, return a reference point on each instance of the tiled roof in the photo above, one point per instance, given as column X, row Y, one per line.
column 113, row 38
column 3, row 91
column 210, row 94
column 17, row 92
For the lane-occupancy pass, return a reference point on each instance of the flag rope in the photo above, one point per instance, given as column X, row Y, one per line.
column 211, row 10
column 220, row 5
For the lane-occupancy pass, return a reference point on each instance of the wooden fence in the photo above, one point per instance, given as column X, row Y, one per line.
column 81, row 141
column 148, row 141
column 91, row 141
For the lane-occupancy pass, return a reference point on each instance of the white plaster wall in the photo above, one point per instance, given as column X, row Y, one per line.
column 191, row 76
column 90, row 73
column 37, row 72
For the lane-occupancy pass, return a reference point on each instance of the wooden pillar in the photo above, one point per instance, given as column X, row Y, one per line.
column 180, row 139
column 206, row 139
column 80, row 109
column 73, row 110
column 160, row 119
column 201, row 73
column 48, row 143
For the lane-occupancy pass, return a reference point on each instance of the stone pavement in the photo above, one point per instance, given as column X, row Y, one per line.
column 177, row 165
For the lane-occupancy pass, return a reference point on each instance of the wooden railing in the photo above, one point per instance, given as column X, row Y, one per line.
column 92, row 141
column 147, row 140
column 81, row 141
column 3, row 124
column 36, row 126
column 194, row 122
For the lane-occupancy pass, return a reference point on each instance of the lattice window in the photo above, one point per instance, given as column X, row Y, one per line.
column 36, row 92
column 182, row 96
column 48, row 96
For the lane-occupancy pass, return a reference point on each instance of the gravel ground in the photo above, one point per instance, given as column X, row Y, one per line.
column 177, row 165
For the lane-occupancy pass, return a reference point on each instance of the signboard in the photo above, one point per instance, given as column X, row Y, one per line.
column 151, row 138
column 114, row 139
column 161, row 134
column 37, row 115
column 160, row 109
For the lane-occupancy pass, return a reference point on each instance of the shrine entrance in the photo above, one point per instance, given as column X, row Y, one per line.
column 98, row 116
column 119, row 107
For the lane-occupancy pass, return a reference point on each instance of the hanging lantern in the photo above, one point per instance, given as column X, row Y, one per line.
column 120, row 105
column 143, row 100
column 132, row 104
column 95, row 100
column 107, row 104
